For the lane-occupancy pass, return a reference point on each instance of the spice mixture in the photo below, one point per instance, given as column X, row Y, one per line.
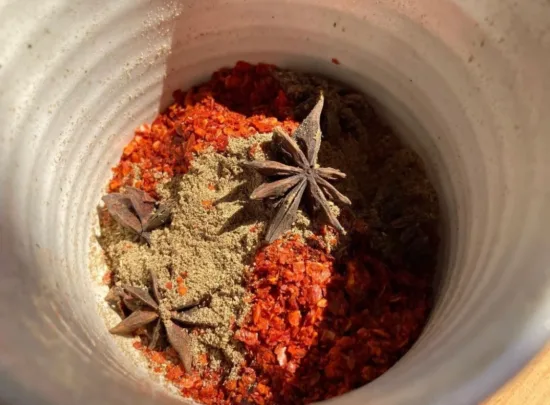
column 258, row 262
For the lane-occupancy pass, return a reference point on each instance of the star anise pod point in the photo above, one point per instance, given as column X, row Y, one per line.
column 137, row 211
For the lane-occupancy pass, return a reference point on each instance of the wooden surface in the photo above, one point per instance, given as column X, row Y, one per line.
column 530, row 387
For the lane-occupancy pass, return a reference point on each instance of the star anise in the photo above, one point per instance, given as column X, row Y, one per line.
column 297, row 172
column 146, row 309
column 135, row 210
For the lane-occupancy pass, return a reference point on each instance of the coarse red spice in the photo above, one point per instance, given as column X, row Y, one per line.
column 319, row 328
column 107, row 278
column 237, row 102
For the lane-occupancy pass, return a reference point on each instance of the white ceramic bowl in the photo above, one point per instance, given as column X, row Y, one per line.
column 466, row 82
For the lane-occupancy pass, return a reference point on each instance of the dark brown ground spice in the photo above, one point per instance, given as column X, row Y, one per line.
column 320, row 325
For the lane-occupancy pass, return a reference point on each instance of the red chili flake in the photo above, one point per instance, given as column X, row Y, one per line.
column 169, row 285
column 107, row 278
column 182, row 289
column 157, row 357
column 250, row 338
column 262, row 389
column 280, row 352
column 203, row 359
column 294, row 318
column 322, row 303
column 207, row 204
column 231, row 385
column 335, row 61
column 174, row 373
column 252, row 150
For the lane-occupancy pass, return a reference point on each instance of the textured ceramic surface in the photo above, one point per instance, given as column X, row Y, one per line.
column 466, row 81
